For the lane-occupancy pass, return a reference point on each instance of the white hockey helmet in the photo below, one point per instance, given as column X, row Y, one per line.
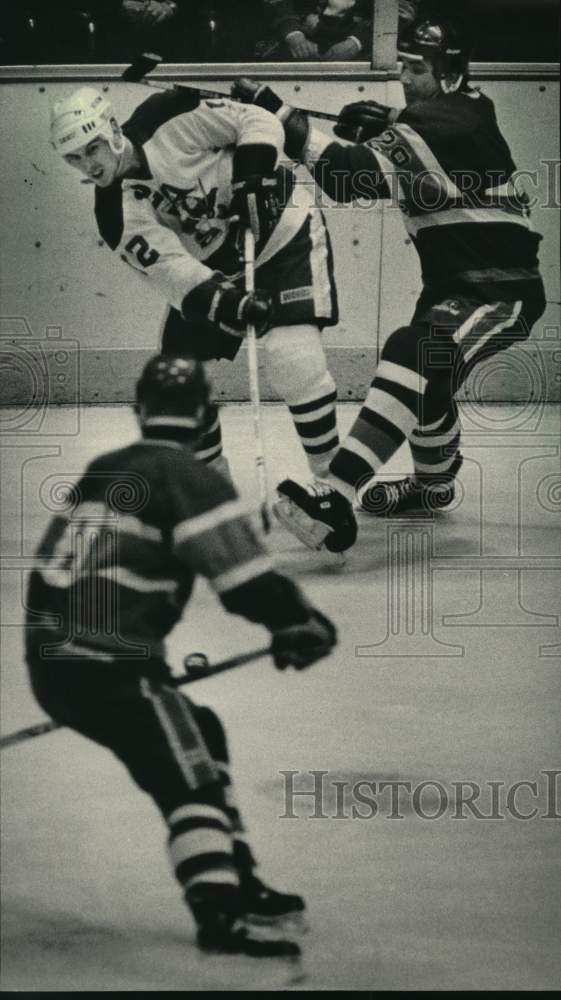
column 78, row 119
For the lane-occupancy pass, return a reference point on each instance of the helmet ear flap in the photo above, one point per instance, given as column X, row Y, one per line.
column 115, row 137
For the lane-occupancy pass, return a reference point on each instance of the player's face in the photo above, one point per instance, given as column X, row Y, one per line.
column 418, row 80
column 96, row 160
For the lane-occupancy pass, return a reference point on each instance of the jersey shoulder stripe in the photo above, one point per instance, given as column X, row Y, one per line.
column 155, row 111
column 144, row 122
column 109, row 213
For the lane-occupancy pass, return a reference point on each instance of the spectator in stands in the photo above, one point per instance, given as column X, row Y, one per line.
column 150, row 25
column 185, row 31
column 18, row 34
column 305, row 30
column 39, row 33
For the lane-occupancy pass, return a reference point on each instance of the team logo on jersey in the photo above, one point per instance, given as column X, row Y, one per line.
column 194, row 210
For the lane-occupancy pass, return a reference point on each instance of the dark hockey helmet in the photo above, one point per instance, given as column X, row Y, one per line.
column 174, row 388
column 440, row 42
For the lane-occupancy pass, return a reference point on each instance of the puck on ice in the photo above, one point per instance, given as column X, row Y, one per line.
column 196, row 663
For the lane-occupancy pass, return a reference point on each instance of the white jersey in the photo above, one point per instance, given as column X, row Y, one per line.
column 171, row 224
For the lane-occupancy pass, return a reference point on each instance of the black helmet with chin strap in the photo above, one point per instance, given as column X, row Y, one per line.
column 441, row 43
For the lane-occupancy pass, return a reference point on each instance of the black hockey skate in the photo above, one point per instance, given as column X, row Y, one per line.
column 263, row 906
column 241, row 939
column 318, row 515
column 223, row 929
column 420, row 495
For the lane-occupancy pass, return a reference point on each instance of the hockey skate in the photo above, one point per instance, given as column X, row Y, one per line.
column 223, row 929
column 318, row 515
column 263, row 906
column 419, row 495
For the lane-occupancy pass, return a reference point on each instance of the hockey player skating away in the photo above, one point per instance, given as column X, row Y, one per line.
column 447, row 164
column 169, row 185
column 113, row 575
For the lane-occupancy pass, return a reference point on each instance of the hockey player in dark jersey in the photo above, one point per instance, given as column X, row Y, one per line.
column 445, row 162
column 113, row 575
column 175, row 188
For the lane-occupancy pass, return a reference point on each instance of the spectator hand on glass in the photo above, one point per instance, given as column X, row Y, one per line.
column 336, row 7
column 408, row 11
column 300, row 47
column 148, row 12
column 343, row 51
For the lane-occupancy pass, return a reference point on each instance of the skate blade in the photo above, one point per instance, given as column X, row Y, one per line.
column 246, row 972
column 289, row 923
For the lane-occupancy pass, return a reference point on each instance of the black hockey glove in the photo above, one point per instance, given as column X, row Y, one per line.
column 299, row 646
column 296, row 125
column 256, row 204
column 251, row 92
column 256, row 196
column 220, row 302
column 362, row 120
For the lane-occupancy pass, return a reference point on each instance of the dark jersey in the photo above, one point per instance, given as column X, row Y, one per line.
column 115, row 572
column 449, row 169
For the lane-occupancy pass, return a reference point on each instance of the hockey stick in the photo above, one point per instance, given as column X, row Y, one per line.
column 251, row 341
column 194, row 672
column 138, row 71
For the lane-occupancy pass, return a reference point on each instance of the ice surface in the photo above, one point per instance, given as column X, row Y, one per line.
column 395, row 904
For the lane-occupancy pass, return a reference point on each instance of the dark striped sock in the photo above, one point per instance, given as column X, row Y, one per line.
column 316, row 425
column 209, row 445
column 387, row 417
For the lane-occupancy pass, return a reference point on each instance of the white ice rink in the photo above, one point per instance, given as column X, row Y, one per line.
column 459, row 683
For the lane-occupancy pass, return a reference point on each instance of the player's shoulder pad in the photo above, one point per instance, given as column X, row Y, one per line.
column 156, row 110
column 447, row 116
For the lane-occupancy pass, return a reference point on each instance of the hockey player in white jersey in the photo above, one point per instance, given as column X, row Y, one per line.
column 175, row 187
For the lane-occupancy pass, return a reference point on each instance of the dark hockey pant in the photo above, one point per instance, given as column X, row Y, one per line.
column 422, row 367
column 174, row 750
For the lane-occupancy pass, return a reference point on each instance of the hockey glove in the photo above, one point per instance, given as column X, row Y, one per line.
column 296, row 125
column 362, row 120
column 221, row 303
column 256, row 197
column 251, row 92
column 299, row 646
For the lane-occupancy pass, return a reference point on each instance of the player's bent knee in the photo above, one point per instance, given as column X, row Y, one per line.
column 402, row 346
column 212, row 731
